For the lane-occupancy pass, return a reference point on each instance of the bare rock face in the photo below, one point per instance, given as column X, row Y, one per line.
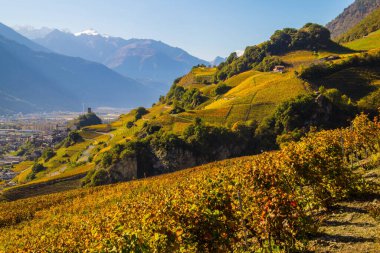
column 351, row 16
column 324, row 107
column 172, row 160
column 161, row 161
column 124, row 170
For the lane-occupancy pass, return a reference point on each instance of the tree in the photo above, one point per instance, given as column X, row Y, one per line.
column 221, row 88
column 140, row 111
column 47, row 154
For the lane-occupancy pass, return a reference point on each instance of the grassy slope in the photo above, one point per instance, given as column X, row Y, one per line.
column 372, row 41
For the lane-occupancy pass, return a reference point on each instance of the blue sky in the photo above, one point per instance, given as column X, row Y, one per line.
column 204, row 28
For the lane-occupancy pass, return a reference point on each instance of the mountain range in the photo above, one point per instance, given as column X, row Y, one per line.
column 146, row 60
column 32, row 78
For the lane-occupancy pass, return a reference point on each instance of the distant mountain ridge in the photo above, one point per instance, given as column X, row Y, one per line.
column 218, row 60
column 142, row 59
column 351, row 16
column 33, row 80
column 9, row 33
column 32, row 33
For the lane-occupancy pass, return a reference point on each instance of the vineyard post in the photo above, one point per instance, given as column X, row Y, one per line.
column 242, row 219
column 342, row 143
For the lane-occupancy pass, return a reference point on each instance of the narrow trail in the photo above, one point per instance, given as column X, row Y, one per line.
column 349, row 227
column 179, row 117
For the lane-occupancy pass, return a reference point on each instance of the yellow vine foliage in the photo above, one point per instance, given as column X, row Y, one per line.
column 238, row 205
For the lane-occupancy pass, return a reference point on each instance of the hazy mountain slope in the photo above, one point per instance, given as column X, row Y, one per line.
column 218, row 60
column 32, row 33
column 351, row 16
column 47, row 81
column 10, row 34
column 369, row 24
column 150, row 60
column 90, row 47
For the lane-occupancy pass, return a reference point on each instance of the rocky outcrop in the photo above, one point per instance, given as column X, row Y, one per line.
column 351, row 16
column 160, row 161
column 323, row 109
column 124, row 170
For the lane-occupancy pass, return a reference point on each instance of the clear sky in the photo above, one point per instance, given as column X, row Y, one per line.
column 204, row 28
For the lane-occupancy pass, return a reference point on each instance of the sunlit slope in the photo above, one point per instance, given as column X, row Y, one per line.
column 253, row 96
column 261, row 88
column 369, row 42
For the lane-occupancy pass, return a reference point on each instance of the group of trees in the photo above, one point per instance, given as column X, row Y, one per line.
column 294, row 118
column 37, row 167
column 309, row 37
column 88, row 119
column 184, row 98
column 317, row 71
column 73, row 138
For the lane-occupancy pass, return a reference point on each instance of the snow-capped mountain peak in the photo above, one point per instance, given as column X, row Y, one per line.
column 90, row 32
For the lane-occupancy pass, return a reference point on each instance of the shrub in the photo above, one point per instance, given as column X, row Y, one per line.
column 73, row 138
column 48, row 154
column 221, row 88
column 100, row 177
column 37, row 167
column 140, row 111
column 268, row 63
column 130, row 124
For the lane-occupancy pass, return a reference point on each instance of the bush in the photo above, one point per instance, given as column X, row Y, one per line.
column 107, row 160
column 73, row 138
column 37, row 167
column 221, row 89
column 185, row 98
column 140, row 111
column 130, row 124
column 100, row 177
column 268, row 64
column 48, row 154
column 177, row 109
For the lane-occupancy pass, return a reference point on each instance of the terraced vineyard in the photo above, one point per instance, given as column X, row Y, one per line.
column 261, row 202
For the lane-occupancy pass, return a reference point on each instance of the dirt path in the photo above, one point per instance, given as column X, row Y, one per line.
column 86, row 154
column 349, row 227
